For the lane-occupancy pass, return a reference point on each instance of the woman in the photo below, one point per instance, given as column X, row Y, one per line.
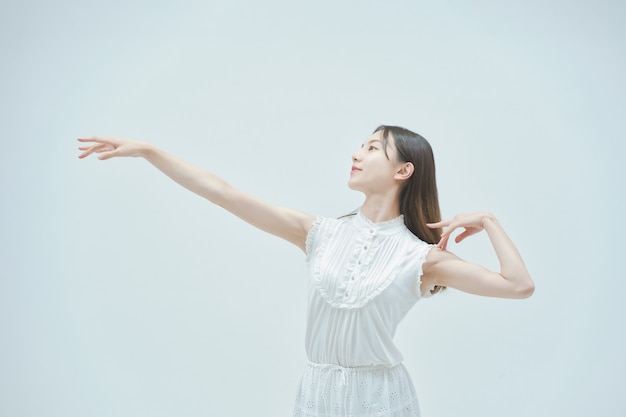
column 367, row 269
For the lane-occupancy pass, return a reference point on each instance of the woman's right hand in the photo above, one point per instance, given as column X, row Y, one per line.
column 110, row 147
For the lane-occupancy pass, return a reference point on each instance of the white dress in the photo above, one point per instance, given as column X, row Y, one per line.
column 364, row 278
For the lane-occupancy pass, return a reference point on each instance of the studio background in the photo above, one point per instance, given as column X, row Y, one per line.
column 122, row 294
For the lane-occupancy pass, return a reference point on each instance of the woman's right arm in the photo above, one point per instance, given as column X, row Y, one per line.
column 289, row 224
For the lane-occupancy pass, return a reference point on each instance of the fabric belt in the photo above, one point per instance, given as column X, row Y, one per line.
column 346, row 372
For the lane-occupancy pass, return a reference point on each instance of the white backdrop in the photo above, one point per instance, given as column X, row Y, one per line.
column 122, row 294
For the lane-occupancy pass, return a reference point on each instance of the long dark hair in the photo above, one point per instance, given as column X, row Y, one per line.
column 419, row 200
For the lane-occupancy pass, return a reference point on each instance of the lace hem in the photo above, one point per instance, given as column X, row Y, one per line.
column 334, row 391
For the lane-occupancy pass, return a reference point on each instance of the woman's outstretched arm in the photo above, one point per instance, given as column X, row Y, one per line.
column 289, row 224
column 445, row 269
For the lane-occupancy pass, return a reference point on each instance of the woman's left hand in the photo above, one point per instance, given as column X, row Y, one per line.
column 472, row 223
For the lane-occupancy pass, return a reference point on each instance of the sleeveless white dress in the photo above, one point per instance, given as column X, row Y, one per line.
column 364, row 278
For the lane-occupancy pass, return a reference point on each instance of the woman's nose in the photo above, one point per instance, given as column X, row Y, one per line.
column 356, row 156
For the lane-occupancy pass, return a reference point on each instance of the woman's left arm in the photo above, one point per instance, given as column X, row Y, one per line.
column 445, row 269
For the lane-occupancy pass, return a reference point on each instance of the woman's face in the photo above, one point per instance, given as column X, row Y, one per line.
column 372, row 171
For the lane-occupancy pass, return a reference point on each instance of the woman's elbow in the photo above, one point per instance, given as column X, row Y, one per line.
column 525, row 290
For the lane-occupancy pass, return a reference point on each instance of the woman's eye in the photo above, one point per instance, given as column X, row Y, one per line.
column 372, row 147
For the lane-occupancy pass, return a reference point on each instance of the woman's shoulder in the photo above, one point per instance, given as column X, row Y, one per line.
column 322, row 230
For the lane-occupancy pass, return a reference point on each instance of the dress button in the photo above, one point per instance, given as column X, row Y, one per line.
column 365, row 247
column 352, row 278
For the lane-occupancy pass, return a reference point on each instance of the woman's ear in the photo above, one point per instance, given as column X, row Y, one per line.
column 405, row 171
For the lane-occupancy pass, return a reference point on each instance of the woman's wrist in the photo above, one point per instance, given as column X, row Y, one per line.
column 146, row 150
column 488, row 220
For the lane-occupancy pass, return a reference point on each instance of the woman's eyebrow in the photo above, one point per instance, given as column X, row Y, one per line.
column 371, row 141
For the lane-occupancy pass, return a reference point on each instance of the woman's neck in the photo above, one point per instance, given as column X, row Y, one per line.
column 380, row 208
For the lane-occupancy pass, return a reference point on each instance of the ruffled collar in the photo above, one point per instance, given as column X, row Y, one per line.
column 381, row 228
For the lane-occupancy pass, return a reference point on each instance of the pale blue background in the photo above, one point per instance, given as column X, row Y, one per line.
column 122, row 294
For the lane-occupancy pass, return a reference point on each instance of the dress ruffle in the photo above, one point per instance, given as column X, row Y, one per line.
column 363, row 260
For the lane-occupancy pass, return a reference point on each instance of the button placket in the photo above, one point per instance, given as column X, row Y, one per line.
column 365, row 252
column 362, row 256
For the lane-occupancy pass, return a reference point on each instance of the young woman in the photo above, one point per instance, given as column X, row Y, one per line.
column 367, row 269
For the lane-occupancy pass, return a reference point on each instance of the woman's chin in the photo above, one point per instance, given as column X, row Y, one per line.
column 352, row 185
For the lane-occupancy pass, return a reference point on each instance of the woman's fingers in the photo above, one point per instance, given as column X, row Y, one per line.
column 107, row 155
column 443, row 243
column 471, row 223
column 98, row 139
column 99, row 143
column 469, row 231
column 103, row 146
column 463, row 235
column 87, row 150
column 438, row 224
column 97, row 148
column 112, row 146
